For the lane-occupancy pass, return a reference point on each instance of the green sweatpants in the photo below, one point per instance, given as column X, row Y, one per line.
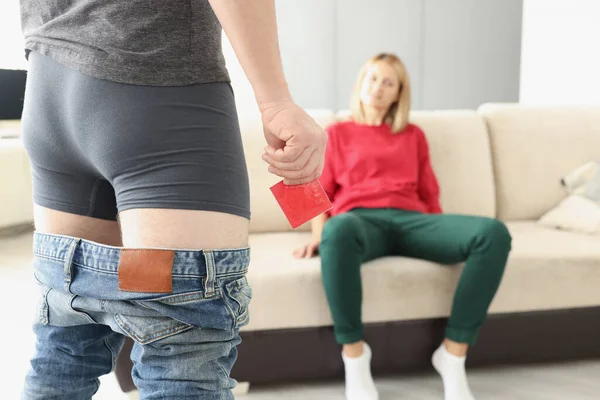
column 360, row 235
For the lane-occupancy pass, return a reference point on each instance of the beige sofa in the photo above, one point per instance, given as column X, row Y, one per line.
column 501, row 161
column 16, row 208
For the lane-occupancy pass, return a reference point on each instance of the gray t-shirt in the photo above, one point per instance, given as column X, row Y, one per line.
column 142, row 42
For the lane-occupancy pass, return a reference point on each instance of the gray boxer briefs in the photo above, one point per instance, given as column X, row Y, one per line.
column 99, row 147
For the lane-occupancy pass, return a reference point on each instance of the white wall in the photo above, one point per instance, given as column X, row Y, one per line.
column 561, row 52
column 459, row 53
column 307, row 41
column 244, row 96
column 365, row 28
column 471, row 52
column 306, row 38
column 12, row 55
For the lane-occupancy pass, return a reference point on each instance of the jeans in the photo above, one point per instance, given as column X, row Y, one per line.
column 184, row 341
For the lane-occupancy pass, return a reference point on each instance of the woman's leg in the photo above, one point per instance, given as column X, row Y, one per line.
column 349, row 240
column 69, row 360
column 484, row 244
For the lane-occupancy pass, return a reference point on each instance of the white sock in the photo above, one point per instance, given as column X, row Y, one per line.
column 452, row 370
column 359, row 382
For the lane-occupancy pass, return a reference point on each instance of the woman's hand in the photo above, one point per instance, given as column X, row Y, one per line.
column 296, row 143
column 308, row 250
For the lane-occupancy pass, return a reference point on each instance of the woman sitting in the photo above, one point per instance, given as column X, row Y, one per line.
column 386, row 202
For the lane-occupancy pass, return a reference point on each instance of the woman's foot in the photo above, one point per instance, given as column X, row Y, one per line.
column 359, row 382
column 452, row 370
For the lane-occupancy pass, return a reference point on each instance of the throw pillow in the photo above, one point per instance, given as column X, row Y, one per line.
column 577, row 181
column 575, row 213
column 580, row 211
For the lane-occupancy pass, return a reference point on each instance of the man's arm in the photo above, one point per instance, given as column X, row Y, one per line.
column 296, row 142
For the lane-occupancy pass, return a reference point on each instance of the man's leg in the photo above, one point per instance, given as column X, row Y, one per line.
column 198, row 360
column 69, row 359
column 195, row 363
column 183, row 229
column 54, row 222
column 159, row 155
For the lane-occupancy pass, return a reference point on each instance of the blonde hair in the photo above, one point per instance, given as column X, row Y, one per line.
column 397, row 115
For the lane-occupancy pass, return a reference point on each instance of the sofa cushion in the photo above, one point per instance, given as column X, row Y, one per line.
column 547, row 269
column 533, row 148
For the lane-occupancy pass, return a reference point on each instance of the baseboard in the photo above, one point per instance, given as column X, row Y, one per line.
column 16, row 230
column 133, row 395
column 406, row 346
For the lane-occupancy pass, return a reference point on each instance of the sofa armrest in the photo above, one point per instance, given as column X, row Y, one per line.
column 16, row 206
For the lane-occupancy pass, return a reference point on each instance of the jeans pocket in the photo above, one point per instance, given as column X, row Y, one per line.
column 145, row 330
column 237, row 295
column 152, row 320
column 191, row 309
column 56, row 308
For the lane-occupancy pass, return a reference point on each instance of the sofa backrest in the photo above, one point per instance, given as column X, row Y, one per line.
column 461, row 158
column 460, row 154
column 532, row 149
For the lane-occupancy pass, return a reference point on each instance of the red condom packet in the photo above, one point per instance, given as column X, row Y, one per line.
column 301, row 203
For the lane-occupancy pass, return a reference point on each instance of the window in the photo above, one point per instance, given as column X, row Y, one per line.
column 12, row 64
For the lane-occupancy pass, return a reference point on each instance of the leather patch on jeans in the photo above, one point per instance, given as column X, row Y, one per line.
column 146, row 270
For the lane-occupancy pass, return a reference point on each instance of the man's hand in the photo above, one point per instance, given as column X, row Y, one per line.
column 296, row 143
column 307, row 251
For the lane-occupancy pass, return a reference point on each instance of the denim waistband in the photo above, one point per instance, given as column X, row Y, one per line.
column 103, row 258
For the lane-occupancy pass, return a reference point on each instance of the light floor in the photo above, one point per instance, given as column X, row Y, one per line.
column 568, row 381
